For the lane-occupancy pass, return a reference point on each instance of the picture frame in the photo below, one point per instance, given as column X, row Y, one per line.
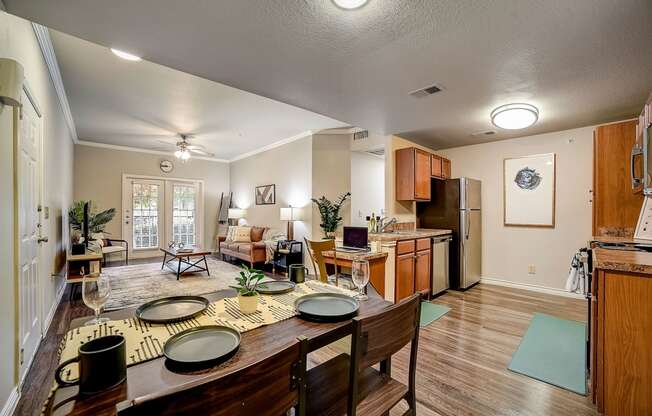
column 265, row 194
column 529, row 191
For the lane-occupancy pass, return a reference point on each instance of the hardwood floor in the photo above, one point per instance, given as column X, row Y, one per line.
column 463, row 357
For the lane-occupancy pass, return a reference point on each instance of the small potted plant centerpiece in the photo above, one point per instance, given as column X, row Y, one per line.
column 247, row 287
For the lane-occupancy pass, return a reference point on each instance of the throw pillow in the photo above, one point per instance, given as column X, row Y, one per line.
column 229, row 233
column 242, row 235
column 257, row 233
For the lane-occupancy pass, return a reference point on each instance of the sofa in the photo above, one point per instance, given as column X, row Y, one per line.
column 252, row 251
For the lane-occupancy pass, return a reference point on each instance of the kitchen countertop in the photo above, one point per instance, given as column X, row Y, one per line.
column 618, row 240
column 408, row 235
column 623, row 261
column 367, row 255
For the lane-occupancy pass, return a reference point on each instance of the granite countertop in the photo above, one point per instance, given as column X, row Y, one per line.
column 408, row 235
column 618, row 240
column 367, row 255
column 623, row 261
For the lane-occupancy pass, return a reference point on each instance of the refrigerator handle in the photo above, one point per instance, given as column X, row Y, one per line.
column 467, row 225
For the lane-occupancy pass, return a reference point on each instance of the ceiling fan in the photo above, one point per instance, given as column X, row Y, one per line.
column 184, row 148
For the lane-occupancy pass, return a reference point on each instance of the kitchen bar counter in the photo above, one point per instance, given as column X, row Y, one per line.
column 618, row 240
column 408, row 235
column 623, row 261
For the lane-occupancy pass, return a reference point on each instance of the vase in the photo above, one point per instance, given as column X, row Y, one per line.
column 248, row 304
column 329, row 235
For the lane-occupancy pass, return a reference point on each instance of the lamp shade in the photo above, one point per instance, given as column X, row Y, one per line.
column 290, row 214
column 237, row 213
column 11, row 82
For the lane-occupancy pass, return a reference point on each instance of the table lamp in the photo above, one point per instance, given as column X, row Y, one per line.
column 290, row 215
column 237, row 214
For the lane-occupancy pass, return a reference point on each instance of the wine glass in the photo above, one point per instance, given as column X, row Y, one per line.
column 360, row 276
column 95, row 292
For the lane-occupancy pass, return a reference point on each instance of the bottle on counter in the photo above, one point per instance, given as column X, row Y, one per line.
column 372, row 223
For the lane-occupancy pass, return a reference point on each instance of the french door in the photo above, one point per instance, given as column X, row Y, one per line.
column 159, row 211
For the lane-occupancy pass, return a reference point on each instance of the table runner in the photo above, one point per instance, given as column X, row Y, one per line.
column 145, row 341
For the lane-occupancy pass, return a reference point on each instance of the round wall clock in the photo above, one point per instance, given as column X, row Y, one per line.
column 166, row 166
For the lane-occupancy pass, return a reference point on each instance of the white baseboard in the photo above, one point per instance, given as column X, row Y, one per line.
column 53, row 308
column 10, row 405
column 531, row 287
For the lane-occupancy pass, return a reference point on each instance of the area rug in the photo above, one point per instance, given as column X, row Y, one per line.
column 140, row 283
column 553, row 350
column 430, row 312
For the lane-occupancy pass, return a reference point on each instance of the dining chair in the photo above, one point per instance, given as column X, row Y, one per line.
column 270, row 386
column 316, row 250
column 349, row 385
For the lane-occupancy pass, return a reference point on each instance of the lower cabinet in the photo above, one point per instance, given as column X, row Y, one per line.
column 413, row 271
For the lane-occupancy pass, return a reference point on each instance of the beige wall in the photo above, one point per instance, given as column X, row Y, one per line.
column 289, row 167
column 17, row 41
column 331, row 174
column 507, row 251
column 98, row 177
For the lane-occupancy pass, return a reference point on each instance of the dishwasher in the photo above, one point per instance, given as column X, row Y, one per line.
column 440, row 264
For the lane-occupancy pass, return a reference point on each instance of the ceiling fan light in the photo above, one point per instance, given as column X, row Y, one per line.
column 185, row 154
column 177, row 154
column 514, row 116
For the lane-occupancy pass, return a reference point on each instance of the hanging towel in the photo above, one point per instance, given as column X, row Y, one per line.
column 576, row 275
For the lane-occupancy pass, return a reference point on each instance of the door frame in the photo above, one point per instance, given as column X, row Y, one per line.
column 167, row 181
column 16, row 233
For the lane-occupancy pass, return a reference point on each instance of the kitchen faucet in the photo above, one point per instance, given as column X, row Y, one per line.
column 383, row 225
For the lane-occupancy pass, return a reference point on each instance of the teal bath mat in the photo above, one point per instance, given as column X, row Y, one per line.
column 553, row 350
column 430, row 312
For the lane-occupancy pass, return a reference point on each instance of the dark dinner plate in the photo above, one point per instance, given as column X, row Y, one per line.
column 172, row 309
column 326, row 307
column 276, row 287
column 202, row 345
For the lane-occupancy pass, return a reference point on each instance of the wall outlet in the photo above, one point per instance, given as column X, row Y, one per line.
column 531, row 269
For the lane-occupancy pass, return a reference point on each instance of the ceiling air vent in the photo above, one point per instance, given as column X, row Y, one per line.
column 424, row 92
column 361, row 135
column 486, row 133
column 377, row 152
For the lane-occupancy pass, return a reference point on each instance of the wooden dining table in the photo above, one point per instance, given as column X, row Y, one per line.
column 154, row 376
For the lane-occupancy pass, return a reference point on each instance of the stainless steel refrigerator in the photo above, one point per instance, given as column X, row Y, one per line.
column 456, row 205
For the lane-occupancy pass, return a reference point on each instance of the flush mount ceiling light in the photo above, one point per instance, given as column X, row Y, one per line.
column 125, row 55
column 514, row 116
column 350, row 4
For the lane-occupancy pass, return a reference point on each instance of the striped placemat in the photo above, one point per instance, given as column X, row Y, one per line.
column 145, row 341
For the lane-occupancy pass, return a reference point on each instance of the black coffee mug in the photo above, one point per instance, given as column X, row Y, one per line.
column 297, row 273
column 102, row 365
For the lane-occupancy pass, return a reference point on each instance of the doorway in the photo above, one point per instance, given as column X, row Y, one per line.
column 29, row 188
column 157, row 211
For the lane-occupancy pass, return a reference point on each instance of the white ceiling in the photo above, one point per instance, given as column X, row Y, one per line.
column 138, row 104
column 581, row 62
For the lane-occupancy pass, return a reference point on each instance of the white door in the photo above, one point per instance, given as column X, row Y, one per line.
column 29, row 199
column 143, row 214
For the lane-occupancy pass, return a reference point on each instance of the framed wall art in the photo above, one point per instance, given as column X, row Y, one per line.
column 266, row 195
column 529, row 191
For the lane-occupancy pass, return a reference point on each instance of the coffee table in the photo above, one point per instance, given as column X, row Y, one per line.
column 177, row 259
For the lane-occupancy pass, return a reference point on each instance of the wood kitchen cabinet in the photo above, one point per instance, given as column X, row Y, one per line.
column 440, row 167
column 412, row 174
column 621, row 325
column 616, row 205
column 413, row 268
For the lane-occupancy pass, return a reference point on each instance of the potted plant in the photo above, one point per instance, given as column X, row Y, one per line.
column 247, row 287
column 96, row 220
column 330, row 213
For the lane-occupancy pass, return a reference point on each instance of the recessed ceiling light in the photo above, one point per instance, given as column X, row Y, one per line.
column 514, row 116
column 125, row 55
column 350, row 4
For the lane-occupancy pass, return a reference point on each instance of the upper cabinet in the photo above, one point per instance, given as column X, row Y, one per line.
column 440, row 167
column 644, row 120
column 414, row 169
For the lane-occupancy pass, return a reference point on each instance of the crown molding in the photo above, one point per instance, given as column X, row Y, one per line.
column 45, row 42
column 139, row 150
column 273, row 145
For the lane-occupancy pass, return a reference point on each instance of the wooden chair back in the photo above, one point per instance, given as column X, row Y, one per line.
column 377, row 337
column 270, row 386
column 316, row 250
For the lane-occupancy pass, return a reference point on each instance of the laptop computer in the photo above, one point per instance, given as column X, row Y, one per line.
column 355, row 239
